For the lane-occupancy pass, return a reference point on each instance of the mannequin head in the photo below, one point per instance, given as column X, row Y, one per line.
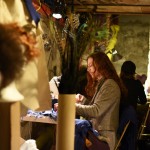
column 16, row 49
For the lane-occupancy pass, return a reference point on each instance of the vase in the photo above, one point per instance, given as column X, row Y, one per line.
column 66, row 122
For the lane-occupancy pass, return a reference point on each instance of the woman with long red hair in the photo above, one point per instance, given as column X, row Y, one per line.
column 103, row 108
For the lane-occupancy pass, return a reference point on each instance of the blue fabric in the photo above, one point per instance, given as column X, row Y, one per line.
column 39, row 114
column 81, row 128
column 33, row 13
column 129, row 140
column 53, row 114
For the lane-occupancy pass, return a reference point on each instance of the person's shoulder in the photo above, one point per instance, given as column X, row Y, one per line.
column 111, row 82
column 137, row 81
column 111, row 85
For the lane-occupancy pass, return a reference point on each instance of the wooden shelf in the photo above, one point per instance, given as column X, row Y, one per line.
column 40, row 120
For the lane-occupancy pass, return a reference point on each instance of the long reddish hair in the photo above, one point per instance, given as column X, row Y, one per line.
column 105, row 67
column 90, row 87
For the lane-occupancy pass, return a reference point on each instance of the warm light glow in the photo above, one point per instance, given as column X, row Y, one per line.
column 57, row 16
column 114, row 52
column 115, row 56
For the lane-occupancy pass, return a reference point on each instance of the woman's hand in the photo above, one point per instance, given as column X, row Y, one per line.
column 55, row 106
column 79, row 98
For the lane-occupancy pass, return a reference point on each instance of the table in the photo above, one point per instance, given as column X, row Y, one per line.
column 43, row 123
column 41, row 120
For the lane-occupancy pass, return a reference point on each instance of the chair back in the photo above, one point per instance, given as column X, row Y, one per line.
column 127, row 130
column 122, row 135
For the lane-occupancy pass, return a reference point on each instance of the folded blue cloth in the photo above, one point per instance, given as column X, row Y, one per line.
column 39, row 114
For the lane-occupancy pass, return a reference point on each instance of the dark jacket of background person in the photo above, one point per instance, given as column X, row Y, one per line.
column 136, row 93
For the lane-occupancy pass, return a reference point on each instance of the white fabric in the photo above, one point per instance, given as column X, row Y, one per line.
column 27, row 85
column 10, row 93
column 29, row 145
column 53, row 85
column 33, row 84
column 4, row 11
column 13, row 11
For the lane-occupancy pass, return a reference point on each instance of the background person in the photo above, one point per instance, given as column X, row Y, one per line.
column 136, row 93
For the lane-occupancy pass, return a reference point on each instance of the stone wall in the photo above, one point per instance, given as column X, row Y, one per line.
column 132, row 44
column 133, row 41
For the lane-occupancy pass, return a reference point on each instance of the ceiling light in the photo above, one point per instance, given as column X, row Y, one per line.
column 58, row 10
column 57, row 15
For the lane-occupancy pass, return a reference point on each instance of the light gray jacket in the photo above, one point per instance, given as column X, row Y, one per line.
column 104, row 111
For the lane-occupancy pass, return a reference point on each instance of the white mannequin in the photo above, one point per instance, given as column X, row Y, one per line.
column 53, row 84
column 29, row 145
column 10, row 92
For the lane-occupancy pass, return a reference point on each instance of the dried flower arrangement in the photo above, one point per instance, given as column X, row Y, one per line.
column 80, row 32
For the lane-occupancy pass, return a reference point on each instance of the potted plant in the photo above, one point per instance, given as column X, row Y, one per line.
column 77, row 39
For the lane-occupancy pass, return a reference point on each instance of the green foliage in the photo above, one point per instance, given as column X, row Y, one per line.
column 99, row 34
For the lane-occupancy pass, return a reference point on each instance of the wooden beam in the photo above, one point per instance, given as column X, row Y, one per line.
column 114, row 9
column 84, row 9
column 123, row 9
column 111, row 2
column 112, row 6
